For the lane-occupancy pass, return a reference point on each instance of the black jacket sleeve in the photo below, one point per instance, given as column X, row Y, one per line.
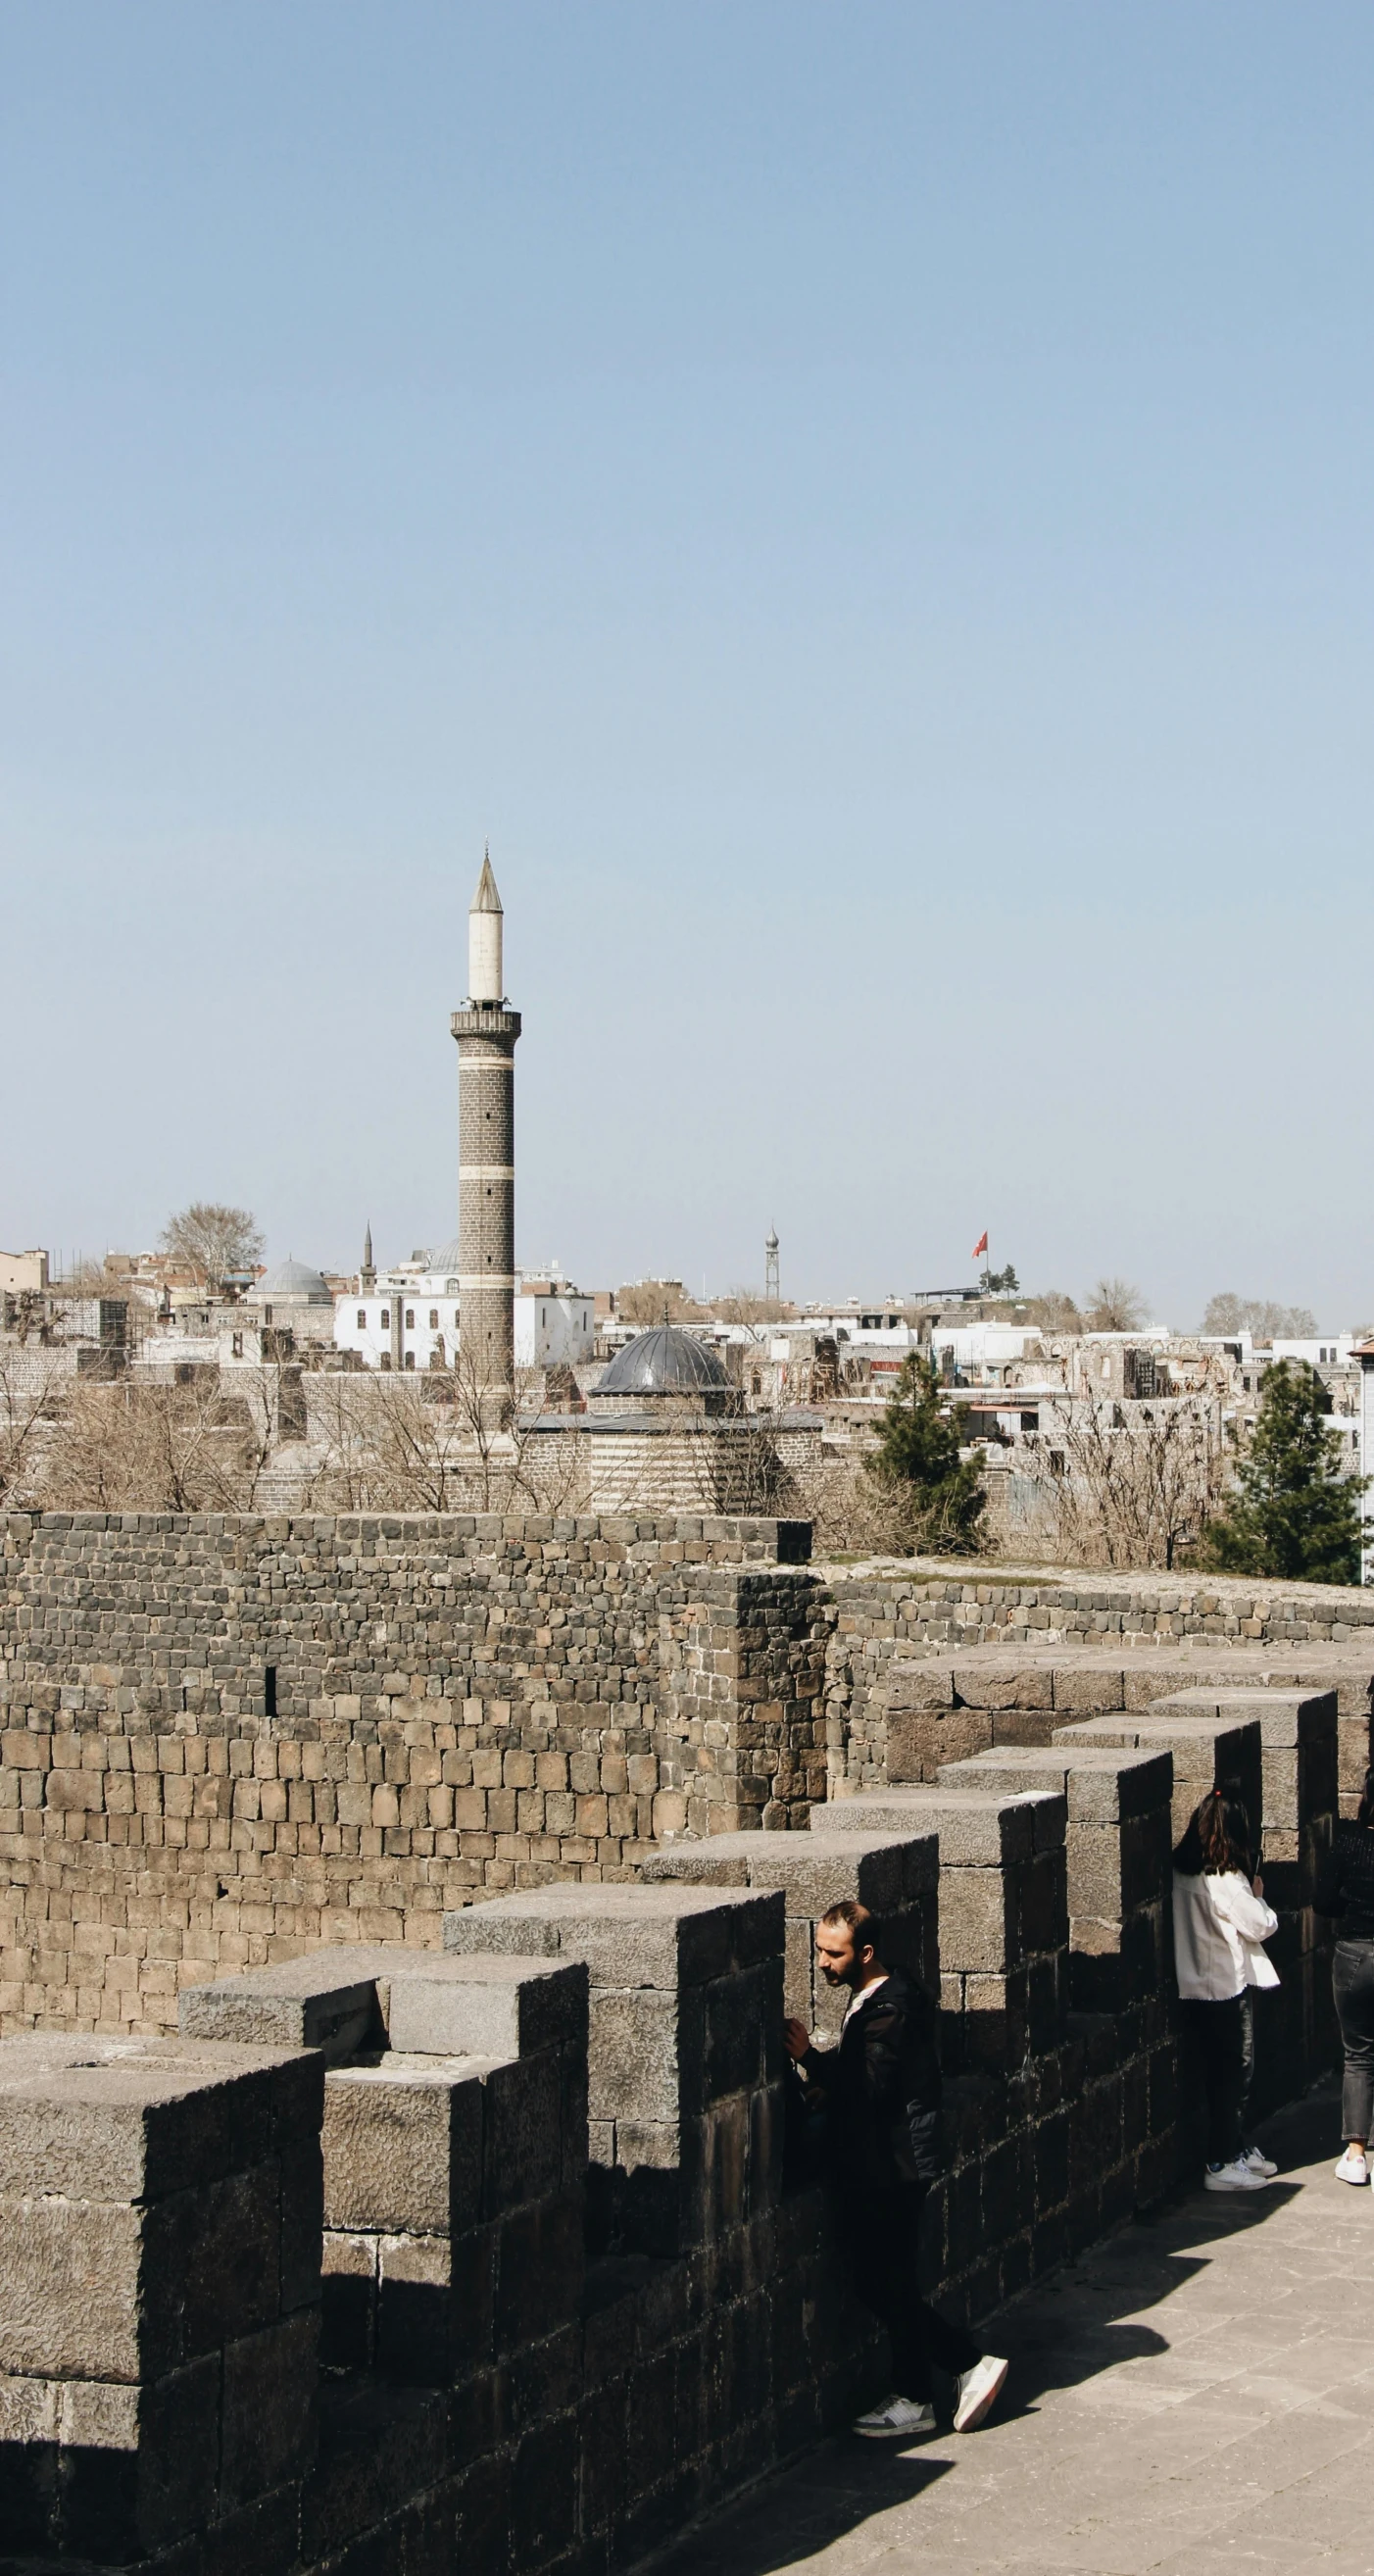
column 903, row 2083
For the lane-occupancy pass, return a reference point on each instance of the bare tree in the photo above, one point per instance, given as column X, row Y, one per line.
column 181, row 1448
column 1115, row 1307
column 657, row 1301
column 1261, row 1317
column 1054, row 1312
column 444, row 1441
column 212, row 1240
column 746, row 1306
column 31, row 1390
column 1127, row 1485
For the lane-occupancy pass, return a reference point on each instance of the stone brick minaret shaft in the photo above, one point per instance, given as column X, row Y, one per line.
column 486, row 1033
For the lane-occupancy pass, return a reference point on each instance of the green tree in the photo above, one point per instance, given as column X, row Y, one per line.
column 1292, row 1512
column 937, row 1496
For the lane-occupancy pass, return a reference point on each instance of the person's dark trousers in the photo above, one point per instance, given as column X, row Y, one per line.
column 1219, row 2033
column 1352, row 1983
column 881, row 2232
column 1247, row 2060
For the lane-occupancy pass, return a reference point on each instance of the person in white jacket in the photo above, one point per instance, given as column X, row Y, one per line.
column 1221, row 1923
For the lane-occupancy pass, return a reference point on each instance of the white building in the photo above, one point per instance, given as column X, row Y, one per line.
column 1329, row 1350
column 409, row 1317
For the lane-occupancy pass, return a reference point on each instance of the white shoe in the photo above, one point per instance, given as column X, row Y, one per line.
column 1237, row 2177
column 977, row 2390
column 1258, row 2163
column 1353, row 2166
column 896, row 2416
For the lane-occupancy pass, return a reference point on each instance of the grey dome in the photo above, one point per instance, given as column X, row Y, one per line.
column 295, row 1279
column 444, row 1257
column 662, row 1361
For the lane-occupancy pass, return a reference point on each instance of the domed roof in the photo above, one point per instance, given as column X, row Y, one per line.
column 662, row 1361
column 294, row 1279
column 444, row 1256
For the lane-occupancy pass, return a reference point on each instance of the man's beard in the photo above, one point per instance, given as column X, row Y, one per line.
column 838, row 1976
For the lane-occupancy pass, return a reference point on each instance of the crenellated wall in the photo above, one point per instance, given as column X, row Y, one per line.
column 507, row 2256
column 224, row 1739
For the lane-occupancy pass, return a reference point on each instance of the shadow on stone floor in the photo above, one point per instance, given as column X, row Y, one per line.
column 795, row 2515
column 1067, row 2329
column 1086, row 2319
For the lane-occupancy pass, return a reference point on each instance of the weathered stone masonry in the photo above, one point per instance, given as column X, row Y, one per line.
column 462, row 2235
column 226, row 1737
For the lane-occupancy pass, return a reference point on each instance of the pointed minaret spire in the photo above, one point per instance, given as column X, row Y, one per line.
column 367, row 1276
column 485, row 923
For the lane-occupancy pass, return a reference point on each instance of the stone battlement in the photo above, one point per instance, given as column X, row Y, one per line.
column 508, row 2254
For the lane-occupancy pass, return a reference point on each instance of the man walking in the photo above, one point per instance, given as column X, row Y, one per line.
column 881, row 2088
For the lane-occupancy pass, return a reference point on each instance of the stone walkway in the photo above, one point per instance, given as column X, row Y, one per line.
column 1195, row 2395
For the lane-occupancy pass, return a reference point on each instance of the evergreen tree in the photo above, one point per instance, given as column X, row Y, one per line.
column 938, row 1496
column 1292, row 1512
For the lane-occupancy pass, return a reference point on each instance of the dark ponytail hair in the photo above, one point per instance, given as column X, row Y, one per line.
column 1218, row 1837
column 1365, row 1810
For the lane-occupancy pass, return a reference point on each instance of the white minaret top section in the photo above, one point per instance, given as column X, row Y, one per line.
column 485, row 921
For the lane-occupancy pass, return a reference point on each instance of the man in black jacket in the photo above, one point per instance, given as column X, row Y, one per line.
column 882, row 2119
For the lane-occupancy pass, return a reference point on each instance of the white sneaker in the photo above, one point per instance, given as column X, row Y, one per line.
column 897, row 2416
column 1353, row 2167
column 1258, row 2163
column 1236, row 2177
column 977, row 2390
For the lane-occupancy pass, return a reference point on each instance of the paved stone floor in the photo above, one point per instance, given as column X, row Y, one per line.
column 1195, row 2395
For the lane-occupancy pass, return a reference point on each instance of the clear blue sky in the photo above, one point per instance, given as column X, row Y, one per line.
column 867, row 507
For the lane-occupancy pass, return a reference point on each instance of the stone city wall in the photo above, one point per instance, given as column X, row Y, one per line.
column 225, row 1738
column 508, row 2257
column 929, row 1662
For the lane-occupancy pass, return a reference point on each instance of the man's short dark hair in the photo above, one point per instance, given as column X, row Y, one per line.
column 866, row 1928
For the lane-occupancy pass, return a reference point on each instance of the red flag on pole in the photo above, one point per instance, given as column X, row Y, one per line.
column 980, row 1246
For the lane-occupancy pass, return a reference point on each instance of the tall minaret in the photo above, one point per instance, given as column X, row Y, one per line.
column 486, row 1033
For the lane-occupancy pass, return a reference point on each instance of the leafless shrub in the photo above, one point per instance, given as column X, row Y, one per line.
column 149, row 1448
column 1115, row 1307
column 1124, row 1485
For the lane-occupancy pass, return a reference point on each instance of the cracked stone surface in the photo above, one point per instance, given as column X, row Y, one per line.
column 1197, row 2394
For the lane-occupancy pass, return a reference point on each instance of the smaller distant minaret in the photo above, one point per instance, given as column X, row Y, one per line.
column 367, row 1276
column 485, row 924
column 771, row 1289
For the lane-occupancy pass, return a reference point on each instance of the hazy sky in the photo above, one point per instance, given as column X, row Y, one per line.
column 867, row 507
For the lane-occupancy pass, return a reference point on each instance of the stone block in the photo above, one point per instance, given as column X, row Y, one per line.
column 815, row 1871
column 99, row 2118
column 1205, row 1751
column 664, row 1935
column 93, row 2290
column 1102, row 1785
column 632, row 2056
column 977, row 1922
column 327, row 2000
column 403, row 2144
column 485, row 2006
column 975, row 1828
column 913, row 1686
column 137, row 2468
column 920, row 1740
column 523, row 2156
column 995, row 1683
column 270, row 2388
